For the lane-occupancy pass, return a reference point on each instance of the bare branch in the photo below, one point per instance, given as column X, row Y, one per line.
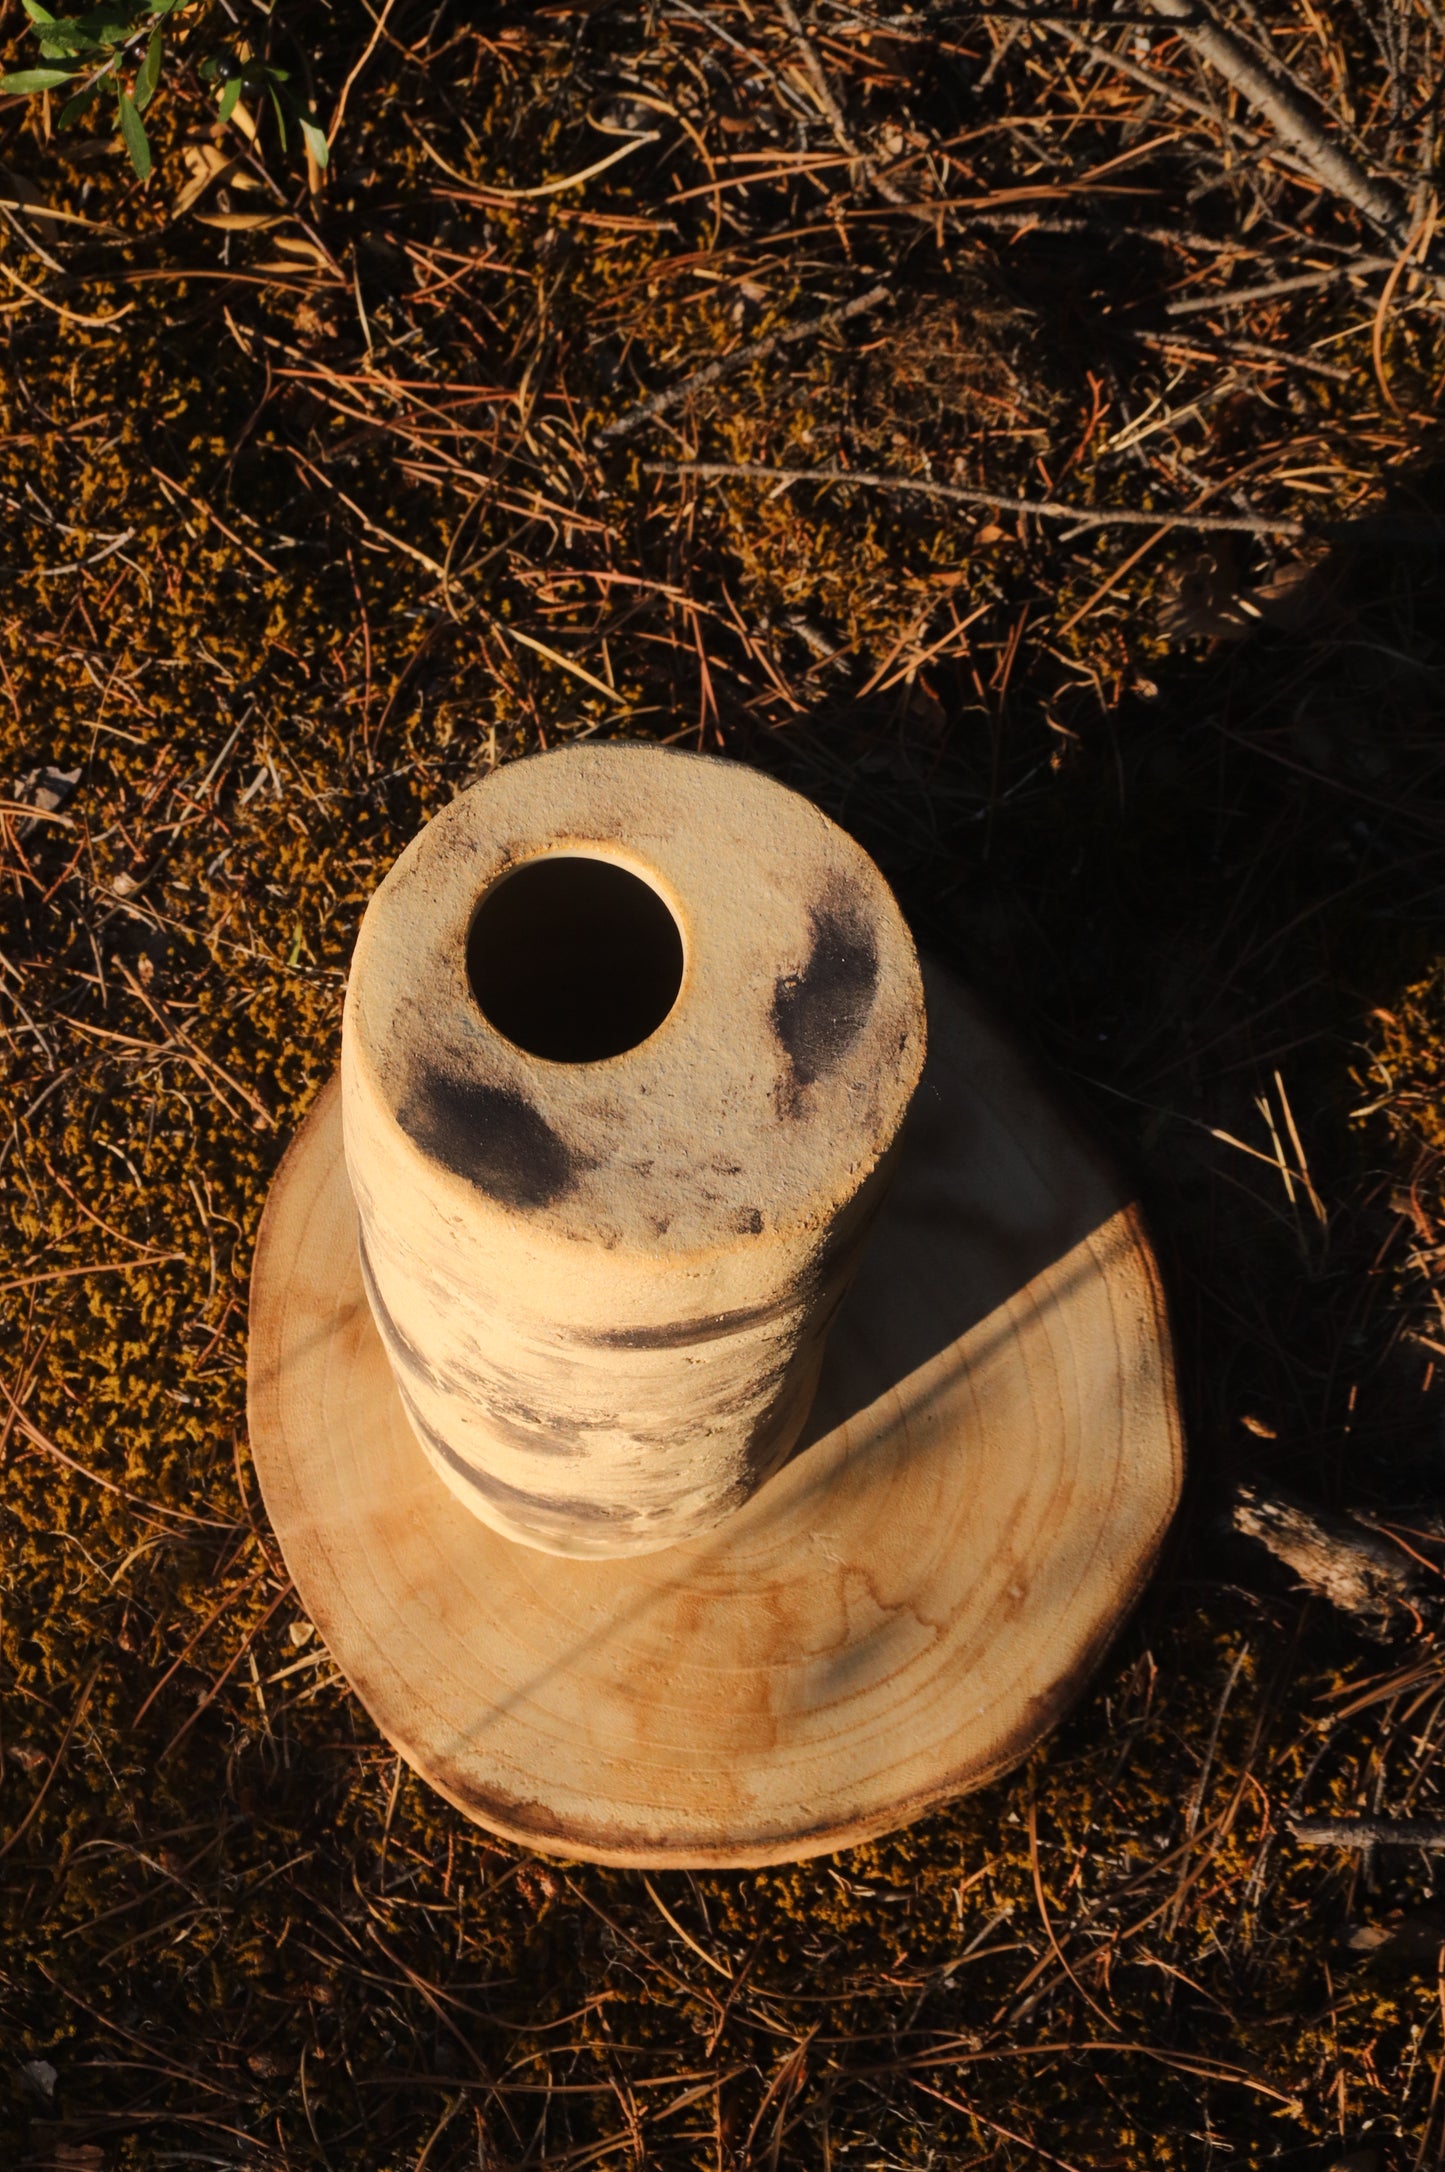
column 1356, row 1571
column 1369, row 1833
column 661, row 403
column 1088, row 516
column 1289, row 116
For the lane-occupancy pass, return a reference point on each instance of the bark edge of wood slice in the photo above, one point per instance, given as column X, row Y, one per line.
column 896, row 1618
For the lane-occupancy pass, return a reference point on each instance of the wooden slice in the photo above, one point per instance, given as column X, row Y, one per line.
column 895, row 1618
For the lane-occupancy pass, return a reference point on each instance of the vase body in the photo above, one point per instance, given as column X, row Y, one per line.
column 629, row 1036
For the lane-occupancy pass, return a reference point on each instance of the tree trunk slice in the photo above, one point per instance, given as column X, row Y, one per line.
column 897, row 1617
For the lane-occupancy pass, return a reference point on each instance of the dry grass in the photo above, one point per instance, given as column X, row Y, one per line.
column 306, row 526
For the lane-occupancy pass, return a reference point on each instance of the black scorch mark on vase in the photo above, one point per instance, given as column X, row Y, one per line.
column 490, row 1135
column 819, row 1012
column 399, row 1346
column 557, row 1517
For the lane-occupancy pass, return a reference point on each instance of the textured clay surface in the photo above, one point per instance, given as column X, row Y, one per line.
column 604, row 1285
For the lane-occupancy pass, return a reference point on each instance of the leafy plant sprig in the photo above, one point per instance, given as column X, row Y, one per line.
column 120, row 46
column 236, row 72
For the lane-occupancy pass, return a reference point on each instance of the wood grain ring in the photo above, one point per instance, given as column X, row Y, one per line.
column 897, row 1617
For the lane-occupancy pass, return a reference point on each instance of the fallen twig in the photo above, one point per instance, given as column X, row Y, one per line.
column 661, row 402
column 1356, row 1571
column 1369, row 1833
column 961, row 494
column 1197, row 305
column 823, row 91
column 1289, row 116
column 1249, row 350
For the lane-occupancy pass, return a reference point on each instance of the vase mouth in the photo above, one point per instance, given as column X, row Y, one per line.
column 634, row 1004
column 574, row 957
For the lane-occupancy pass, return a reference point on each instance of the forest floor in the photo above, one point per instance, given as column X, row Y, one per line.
column 314, row 509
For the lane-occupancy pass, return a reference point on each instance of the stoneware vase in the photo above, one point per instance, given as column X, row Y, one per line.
column 628, row 1040
column 711, row 1403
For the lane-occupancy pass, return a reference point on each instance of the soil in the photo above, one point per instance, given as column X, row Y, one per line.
column 308, row 524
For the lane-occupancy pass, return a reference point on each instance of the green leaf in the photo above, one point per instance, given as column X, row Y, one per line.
column 57, row 39
column 95, row 33
column 316, row 142
column 230, row 98
column 71, row 34
column 80, row 104
column 149, row 72
column 135, row 136
column 37, row 13
column 26, row 81
column 280, row 118
column 110, row 25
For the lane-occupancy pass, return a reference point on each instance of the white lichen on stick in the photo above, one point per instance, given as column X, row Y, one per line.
column 1356, row 1570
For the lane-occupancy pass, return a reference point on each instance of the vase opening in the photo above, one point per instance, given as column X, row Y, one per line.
column 574, row 958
